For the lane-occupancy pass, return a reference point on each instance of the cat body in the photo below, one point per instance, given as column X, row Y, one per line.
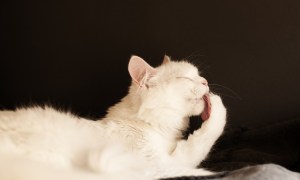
column 139, row 138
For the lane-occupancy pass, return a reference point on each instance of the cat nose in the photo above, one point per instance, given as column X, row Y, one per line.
column 204, row 82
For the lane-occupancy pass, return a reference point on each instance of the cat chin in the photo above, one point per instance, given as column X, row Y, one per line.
column 197, row 110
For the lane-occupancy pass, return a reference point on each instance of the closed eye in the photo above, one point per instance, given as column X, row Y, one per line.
column 182, row 77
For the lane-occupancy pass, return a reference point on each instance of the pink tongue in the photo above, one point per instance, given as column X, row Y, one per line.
column 207, row 109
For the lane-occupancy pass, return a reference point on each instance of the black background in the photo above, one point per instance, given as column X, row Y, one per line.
column 74, row 54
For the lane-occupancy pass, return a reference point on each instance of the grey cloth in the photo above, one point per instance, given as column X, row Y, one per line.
column 262, row 172
column 257, row 172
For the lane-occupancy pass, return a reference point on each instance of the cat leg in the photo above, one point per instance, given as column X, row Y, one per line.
column 16, row 167
column 190, row 152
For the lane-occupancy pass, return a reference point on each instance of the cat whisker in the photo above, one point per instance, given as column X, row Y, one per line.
column 202, row 70
column 234, row 94
column 197, row 59
column 226, row 95
column 194, row 55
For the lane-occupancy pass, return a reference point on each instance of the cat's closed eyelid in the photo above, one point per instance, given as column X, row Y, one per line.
column 183, row 77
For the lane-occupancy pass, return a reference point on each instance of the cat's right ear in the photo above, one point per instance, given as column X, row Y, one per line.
column 166, row 60
column 140, row 71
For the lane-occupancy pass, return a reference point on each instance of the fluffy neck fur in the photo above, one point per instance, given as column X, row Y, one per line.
column 170, row 122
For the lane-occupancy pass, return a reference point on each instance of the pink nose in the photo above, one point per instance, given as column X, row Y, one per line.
column 204, row 82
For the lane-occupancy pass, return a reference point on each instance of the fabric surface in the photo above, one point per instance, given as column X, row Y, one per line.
column 262, row 153
column 241, row 146
column 257, row 172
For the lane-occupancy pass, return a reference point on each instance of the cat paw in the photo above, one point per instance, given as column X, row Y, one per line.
column 213, row 127
column 218, row 110
column 215, row 100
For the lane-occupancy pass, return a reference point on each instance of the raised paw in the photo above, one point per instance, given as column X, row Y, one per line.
column 218, row 110
column 215, row 100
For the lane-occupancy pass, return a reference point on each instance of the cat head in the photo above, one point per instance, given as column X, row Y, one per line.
column 173, row 86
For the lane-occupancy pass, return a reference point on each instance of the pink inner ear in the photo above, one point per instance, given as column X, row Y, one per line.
column 138, row 69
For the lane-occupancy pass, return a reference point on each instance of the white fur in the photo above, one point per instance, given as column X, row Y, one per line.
column 140, row 137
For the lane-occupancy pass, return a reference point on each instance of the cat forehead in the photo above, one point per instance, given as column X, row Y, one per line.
column 179, row 68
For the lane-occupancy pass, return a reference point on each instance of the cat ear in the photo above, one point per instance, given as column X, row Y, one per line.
column 140, row 71
column 166, row 60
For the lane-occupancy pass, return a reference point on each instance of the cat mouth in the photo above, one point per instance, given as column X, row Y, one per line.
column 207, row 107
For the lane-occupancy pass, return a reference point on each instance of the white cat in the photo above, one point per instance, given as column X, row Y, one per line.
column 140, row 137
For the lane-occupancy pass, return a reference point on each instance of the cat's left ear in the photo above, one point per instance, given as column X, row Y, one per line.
column 140, row 71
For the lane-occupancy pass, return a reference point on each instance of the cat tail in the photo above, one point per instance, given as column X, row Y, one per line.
column 110, row 163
